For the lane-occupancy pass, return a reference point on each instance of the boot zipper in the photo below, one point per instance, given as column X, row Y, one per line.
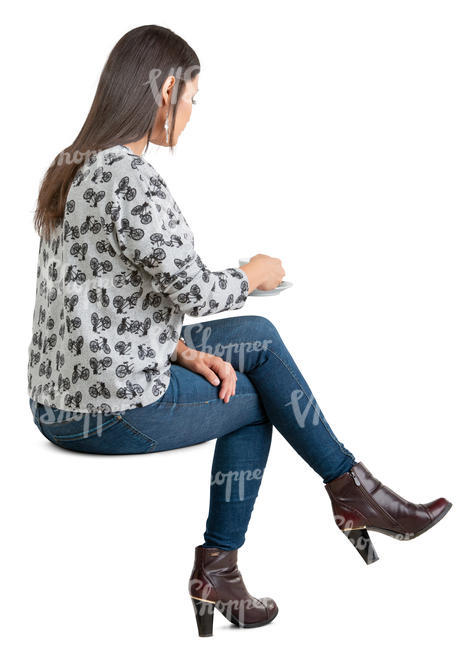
column 371, row 499
column 355, row 478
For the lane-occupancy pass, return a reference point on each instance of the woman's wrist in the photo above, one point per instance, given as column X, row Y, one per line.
column 255, row 273
column 184, row 354
column 179, row 350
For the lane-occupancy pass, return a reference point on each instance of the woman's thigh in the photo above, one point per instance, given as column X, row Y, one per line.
column 190, row 412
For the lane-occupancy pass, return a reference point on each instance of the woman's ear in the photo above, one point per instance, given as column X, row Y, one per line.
column 167, row 90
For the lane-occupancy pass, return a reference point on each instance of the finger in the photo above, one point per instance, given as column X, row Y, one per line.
column 227, row 374
column 235, row 384
column 233, row 388
column 209, row 374
column 221, row 368
column 225, row 391
column 217, row 363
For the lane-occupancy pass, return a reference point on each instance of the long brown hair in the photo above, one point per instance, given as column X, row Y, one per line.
column 123, row 110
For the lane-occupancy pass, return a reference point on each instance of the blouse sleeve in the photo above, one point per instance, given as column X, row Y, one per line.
column 154, row 235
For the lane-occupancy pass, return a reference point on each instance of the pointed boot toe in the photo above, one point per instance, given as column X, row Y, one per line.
column 361, row 503
column 438, row 508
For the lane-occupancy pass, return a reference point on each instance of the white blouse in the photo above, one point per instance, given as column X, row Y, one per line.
column 113, row 285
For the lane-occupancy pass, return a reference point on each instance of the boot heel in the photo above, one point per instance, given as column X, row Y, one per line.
column 361, row 541
column 204, row 616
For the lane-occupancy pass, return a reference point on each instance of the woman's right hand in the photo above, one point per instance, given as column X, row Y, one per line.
column 264, row 272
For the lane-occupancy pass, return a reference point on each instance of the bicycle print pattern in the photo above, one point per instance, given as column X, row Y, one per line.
column 113, row 285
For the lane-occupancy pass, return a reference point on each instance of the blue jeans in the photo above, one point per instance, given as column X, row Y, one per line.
column 270, row 390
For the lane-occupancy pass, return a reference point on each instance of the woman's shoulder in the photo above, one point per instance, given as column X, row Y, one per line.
column 117, row 181
column 117, row 159
column 117, row 165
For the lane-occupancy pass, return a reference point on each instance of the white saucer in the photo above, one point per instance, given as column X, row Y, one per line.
column 285, row 284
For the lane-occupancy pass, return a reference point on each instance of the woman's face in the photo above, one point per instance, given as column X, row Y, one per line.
column 183, row 110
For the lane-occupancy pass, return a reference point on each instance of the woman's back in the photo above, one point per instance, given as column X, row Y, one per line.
column 113, row 284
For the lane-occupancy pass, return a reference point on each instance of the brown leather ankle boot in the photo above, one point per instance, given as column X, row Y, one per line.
column 215, row 581
column 360, row 502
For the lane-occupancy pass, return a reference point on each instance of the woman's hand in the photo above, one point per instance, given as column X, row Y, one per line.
column 213, row 368
column 263, row 272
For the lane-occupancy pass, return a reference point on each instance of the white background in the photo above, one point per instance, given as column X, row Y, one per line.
column 337, row 136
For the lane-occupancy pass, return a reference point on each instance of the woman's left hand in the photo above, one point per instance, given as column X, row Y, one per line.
column 213, row 368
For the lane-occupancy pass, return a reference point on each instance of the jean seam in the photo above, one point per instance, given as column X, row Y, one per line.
column 332, row 435
column 208, row 401
column 53, row 424
column 95, row 434
column 137, row 432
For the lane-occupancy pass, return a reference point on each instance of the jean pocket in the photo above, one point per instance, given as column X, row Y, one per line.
column 102, row 433
column 69, row 425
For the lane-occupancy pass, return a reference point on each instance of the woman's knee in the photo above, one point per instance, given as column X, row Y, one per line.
column 264, row 329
